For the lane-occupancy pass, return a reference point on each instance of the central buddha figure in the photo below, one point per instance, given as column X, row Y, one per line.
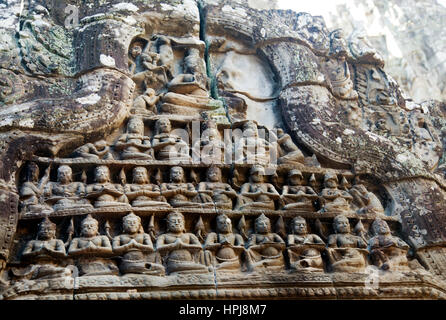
column 187, row 91
column 346, row 252
column 142, row 193
column 134, row 143
column 182, row 251
column 257, row 194
column 66, row 194
column 251, row 148
column 226, row 247
column 92, row 250
column 168, row 146
column 334, row 199
column 295, row 195
column 264, row 247
column 177, row 192
column 105, row 193
column 214, row 191
column 136, row 248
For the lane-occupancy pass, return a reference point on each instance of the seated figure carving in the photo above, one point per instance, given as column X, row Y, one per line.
column 167, row 145
column 251, row 148
column 104, row 193
column 31, row 191
column 134, row 143
column 387, row 252
column 181, row 251
column 136, row 248
column 257, row 194
column 264, row 247
column 146, row 103
column 332, row 198
column 214, row 191
column 45, row 254
column 177, row 192
column 225, row 246
column 288, row 152
column 141, row 193
column 92, row 250
column 304, row 249
column 365, row 200
column 346, row 252
column 187, row 91
column 93, row 151
column 66, row 194
column 210, row 148
column 295, row 195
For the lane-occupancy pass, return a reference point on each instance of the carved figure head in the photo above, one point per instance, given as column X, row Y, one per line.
column 47, row 230
column 136, row 49
column 250, row 129
column 299, row 226
column 177, row 174
column 341, row 224
column 256, row 174
column 380, row 227
column 32, row 174
column 162, row 126
column 102, row 174
column 262, row 224
column 64, row 174
column 330, row 180
column 101, row 144
column 224, row 224
column 89, row 227
column 214, row 174
column 295, row 177
column 131, row 223
column 140, row 175
column 175, row 222
column 135, row 125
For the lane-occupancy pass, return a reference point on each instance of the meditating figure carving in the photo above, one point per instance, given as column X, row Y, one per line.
column 66, row 194
column 134, row 144
column 45, row 255
column 387, row 252
column 264, row 247
column 177, row 192
column 136, row 248
column 168, row 146
column 295, row 195
column 104, row 193
column 181, row 251
column 91, row 250
column 210, row 148
column 332, row 198
column 225, row 246
column 346, row 252
column 251, row 148
column 187, row 91
column 141, row 193
column 31, row 191
column 257, row 194
column 304, row 250
column 214, row 191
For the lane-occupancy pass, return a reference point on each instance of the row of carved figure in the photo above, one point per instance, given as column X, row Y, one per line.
column 45, row 196
column 209, row 148
column 178, row 251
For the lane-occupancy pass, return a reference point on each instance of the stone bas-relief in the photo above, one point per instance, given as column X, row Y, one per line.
column 264, row 156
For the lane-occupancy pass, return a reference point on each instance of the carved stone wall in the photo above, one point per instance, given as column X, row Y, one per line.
column 209, row 150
